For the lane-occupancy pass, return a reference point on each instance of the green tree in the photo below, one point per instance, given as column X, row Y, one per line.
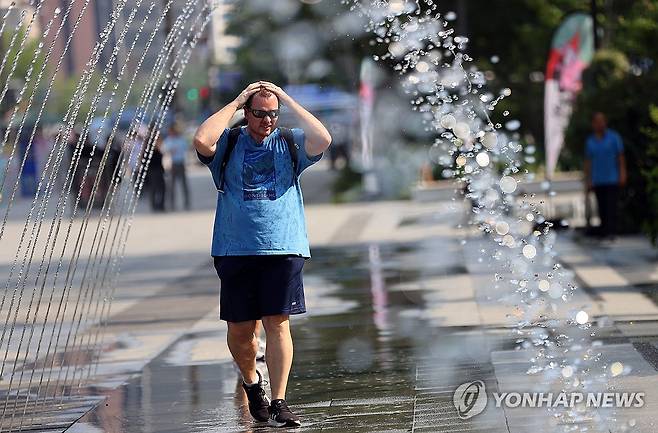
column 28, row 62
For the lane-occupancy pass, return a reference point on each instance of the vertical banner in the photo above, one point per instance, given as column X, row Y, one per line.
column 572, row 49
column 366, row 106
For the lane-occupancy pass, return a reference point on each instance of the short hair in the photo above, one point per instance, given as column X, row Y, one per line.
column 599, row 113
column 263, row 93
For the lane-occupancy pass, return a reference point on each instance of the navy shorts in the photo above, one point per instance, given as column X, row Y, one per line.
column 257, row 286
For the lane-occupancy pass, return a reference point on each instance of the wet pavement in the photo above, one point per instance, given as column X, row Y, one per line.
column 355, row 364
column 361, row 353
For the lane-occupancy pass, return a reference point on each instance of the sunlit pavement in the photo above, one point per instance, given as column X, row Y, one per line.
column 401, row 312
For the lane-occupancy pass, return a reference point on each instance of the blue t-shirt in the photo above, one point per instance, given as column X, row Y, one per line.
column 261, row 211
column 177, row 147
column 603, row 154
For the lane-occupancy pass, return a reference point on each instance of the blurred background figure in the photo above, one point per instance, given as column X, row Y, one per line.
column 176, row 146
column 156, row 177
column 111, row 169
column 134, row 145
column 339, row 149
column 41, row 144
column 28, row 179
column 82, row 153
column 605, row 172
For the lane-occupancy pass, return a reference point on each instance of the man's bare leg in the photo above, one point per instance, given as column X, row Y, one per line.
column 278, row 353
column 243, row 345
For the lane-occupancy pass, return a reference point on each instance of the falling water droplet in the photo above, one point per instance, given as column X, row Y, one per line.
column 529, row 251
column 502, row 228
column 482, row 159
column 582, row 318
column 512, row 125
column 462, row 130
column 507, row 184
column 422, row 67
column 448, row 121
column 450, row 16
column 616, row 368
column 489, row 140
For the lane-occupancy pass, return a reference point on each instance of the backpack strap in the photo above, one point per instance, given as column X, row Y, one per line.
column 233, row 135
column 293, row 147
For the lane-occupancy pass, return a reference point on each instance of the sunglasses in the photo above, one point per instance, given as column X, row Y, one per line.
column 262, row 113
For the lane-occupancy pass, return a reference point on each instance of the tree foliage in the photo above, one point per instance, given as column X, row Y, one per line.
column 19, row 63
column 622, row 82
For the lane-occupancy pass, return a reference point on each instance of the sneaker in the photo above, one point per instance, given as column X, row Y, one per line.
column 281, row 415
column 258, row 402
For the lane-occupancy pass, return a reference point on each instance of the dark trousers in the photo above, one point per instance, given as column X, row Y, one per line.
column 607, row 200
column 178, row 175
column 157, row 187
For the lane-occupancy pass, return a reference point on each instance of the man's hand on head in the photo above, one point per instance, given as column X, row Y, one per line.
column 317, row 138
column 278, row 91
column 246, row 93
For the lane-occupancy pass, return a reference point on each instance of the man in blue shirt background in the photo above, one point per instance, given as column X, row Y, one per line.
column 605, row 172
column 177, row 146
column 259, row 237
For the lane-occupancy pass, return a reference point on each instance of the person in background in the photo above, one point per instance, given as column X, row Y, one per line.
column 605, row 172
column 156, row 178
column 340, row 145
column 177, row 147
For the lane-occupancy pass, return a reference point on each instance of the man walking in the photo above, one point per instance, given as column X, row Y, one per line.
column 177, row 147
column 605, row 172
column 259, row 238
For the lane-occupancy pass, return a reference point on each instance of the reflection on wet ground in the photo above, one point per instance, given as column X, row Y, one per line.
column 356, row 364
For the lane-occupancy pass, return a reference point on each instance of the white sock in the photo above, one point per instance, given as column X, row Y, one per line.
column 249, row 384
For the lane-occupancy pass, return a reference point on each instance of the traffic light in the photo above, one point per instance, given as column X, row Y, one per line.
column 192, row 94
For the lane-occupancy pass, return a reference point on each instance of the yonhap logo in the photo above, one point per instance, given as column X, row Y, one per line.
column 470, row 399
